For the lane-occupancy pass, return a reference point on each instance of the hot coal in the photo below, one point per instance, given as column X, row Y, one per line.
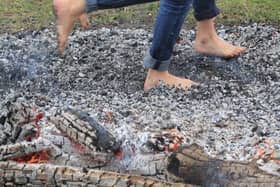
column 102, row 71
column 17, row 123
column 85, row 130
column 195, row 167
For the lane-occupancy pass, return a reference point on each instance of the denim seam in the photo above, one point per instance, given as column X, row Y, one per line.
column 151, row 62
column 207, row 15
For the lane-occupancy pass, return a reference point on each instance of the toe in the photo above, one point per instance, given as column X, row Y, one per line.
column 84, row 21
column 242, row 49
column 238, row 51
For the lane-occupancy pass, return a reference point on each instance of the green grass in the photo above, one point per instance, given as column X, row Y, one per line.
column 16, row 15
column 247, row 11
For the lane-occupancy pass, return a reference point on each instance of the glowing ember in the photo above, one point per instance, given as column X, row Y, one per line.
column 109, row 117
column 267, row 152
column 78, row 146
column 36, row 120
column 176, row 139
column 172, row 147
column 166, row 140
column 40, row 157
column 260, row 153
column 118, row 155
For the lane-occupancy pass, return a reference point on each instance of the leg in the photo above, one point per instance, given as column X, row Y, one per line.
column 67, row 11
column 168, row 24
column 207, row 40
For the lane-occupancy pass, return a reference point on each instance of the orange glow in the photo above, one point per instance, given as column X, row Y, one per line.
column 36, row 120
column 40, row 157
column 260, row 153
column 266, row 152
column 109, row 117
column 176, row 138
column 78, row 146
column 167, row 149
column 118, row 155
column 175, row 146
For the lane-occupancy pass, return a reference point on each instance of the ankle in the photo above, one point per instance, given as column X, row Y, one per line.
column 206, row 30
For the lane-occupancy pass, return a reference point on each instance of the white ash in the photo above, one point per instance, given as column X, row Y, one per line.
column 234, row 109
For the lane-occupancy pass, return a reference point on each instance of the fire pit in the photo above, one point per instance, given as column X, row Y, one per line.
column 78, row 121
column 38, row 154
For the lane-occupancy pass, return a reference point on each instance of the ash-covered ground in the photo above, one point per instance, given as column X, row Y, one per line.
column 234, row 109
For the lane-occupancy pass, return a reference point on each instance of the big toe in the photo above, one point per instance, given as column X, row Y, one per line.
column 241, row 49
column 237, row 51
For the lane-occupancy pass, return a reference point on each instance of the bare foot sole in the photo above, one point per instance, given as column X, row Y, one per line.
column 154, row 77
column 217, row 47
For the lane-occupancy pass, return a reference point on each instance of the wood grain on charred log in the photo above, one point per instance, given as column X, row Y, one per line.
column 85, row 130
column 17, row 122
column 192, row 165
column 23, row 148
column 15, row 174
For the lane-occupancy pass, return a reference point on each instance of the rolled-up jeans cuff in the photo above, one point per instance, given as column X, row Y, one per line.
column 207, row 14
column 152, row 63
column 91, row 5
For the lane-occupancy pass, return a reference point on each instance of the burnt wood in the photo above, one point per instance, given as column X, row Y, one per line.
column 15, row 174
column 85, row 130
column 192, row 165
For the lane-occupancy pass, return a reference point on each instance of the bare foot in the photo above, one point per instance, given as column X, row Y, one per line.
column 154, row 77
column 84, row 21
column 208, row 42
column 217, row 47
column 66, row 12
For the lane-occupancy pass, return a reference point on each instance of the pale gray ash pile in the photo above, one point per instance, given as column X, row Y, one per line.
column 234, row 112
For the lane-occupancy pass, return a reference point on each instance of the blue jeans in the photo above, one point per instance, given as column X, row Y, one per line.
column 169, row 21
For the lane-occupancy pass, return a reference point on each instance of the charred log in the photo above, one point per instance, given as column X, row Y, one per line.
column 58, row 157
column 18, row 122
column 14, row 174
column 85, row 130
column 23, row 148
column 192, row 165
column 21, row 151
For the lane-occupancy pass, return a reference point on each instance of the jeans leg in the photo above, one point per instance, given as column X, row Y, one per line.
column 205, row 9
column 168, row 24
column 92, row 5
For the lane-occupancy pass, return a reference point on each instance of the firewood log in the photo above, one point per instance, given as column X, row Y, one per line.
column 85, row 130
column 23, row 148
column 15, row 174
column 192, row 165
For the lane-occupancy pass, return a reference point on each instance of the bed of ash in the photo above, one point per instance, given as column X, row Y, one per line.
column 233, row 113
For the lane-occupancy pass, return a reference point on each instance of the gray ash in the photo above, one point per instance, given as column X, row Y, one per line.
column 103, row 71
